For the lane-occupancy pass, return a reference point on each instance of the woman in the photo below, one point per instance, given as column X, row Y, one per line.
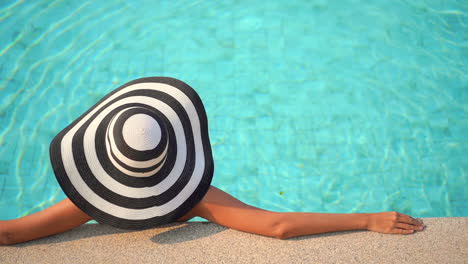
column 141, row 157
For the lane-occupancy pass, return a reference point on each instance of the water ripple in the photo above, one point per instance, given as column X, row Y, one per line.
column 13, row 98
column 4, row 12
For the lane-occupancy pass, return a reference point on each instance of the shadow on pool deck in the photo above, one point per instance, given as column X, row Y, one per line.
column 444, row 241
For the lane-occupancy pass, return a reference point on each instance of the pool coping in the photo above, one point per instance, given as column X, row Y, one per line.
column 444, row 241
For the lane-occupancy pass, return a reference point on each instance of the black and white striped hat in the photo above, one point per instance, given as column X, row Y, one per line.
column 138, row 158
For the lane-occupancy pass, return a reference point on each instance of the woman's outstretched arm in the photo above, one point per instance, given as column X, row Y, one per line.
column 221, row 208
column 58, row 218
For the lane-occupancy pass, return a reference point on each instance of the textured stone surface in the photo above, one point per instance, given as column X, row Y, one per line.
column 444, row 241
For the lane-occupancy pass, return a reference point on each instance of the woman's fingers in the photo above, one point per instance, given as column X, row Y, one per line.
column 408, row 227
column 402, row 218
column 406, row 224
column 401, row 231
column 394, row 223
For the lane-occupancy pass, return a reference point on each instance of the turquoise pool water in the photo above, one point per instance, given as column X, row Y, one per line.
column 313, row 105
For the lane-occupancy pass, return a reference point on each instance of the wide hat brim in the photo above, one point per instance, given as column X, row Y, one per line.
column 106, row 193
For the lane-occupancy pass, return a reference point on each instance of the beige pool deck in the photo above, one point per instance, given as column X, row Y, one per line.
column 444, row 241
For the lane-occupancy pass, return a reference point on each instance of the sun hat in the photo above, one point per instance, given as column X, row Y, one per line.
column 138, row 158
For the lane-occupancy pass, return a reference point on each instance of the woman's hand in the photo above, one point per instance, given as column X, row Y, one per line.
column 393, row 223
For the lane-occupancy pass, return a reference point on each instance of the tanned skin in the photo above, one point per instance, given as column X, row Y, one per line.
column 221, row 208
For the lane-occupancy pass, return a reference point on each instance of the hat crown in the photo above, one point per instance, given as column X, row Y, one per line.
column 137, row 141
column 141, row 132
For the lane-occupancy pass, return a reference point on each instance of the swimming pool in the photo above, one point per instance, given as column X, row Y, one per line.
column 313, row 106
